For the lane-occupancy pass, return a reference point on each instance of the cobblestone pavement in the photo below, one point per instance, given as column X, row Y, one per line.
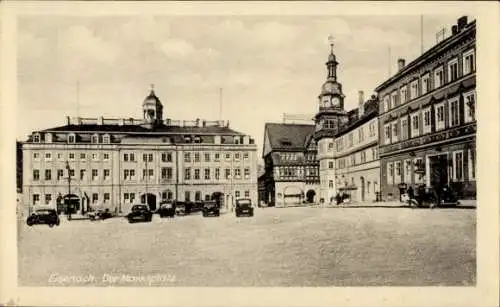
column 308, row 246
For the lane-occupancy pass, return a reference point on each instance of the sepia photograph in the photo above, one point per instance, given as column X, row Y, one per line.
column 200, row 149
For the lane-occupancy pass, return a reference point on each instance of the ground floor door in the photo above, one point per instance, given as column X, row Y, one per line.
column 438, row 168
column 362, row 179
column 151, row 200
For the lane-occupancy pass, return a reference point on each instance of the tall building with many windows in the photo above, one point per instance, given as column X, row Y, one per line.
column 427, row 117
column 291, row 173
column 119, row 162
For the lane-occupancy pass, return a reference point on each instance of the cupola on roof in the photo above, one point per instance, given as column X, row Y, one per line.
column 152, row 98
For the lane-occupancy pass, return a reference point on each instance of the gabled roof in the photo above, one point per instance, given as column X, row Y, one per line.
column 140, row 129
column 288, row 137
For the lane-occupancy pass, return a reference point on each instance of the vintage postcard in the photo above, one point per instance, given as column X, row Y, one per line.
column 256, row 154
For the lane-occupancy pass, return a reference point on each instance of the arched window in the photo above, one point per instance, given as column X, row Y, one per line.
column 36, row 138
column 197, row 196
column 106, row 139
column 95, row 139
column 48, row 137
column 71, row 138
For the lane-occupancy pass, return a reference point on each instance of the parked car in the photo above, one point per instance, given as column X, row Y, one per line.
column 100, row 214
column 182, row 208
column 244, row 207
column 140, row 213
column 210, row 208
column 43, row 216
column 167, row 209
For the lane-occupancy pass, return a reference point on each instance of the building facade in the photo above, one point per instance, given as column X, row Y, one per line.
column 120, row 162
column 427, row 117
column 291, row 170
column 356, row 162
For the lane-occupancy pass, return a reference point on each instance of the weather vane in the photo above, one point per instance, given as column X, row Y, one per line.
column 330, row 40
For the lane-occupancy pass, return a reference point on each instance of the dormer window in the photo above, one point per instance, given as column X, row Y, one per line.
column 236, row 140
column 36, row 138
column 187, row 139
column 48, row 137
column 197, row 139
column 71, row 138
column 106, row 139
column 95, row 139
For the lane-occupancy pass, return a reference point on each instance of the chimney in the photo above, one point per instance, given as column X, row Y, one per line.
column 454, row 29
column 100, row 120
column 401, row 64
column 361, row 97
column 461, row 23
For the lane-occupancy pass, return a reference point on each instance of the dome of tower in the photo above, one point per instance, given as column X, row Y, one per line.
column 152, row 98
column 331, row 87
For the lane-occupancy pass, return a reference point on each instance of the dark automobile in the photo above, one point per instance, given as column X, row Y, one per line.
column 210, row 208
column 140, row 213
column 43, row 216
column 100, row 214
column 182, row 208
column 167, row 209
column 244, row 207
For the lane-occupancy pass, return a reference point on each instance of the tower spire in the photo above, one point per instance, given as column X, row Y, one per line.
column 331, row 42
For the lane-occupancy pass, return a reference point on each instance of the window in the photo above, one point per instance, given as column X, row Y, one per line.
column 132, row 174
column 106, row 197
column 196, row 157
column 330, row 184
column 187, row 157
column 95, row 198
column 48, row 174
column 217, row 157
column 438, row 77
column 439, row 111
column 472, row 164
column 394, row 99
column 187, row 196
column 95, row 174
column 132, row 197
column 228, row 156
column 95, row 156
column 245, row 156
column 363, row 157
column 402, row 94
column 414, row 89
column 196, row 174
column 82, row 174
column 207, row 157
column 397, row 177
column 418, row 164
column 125, row 158
column 387, row 103
column 207, row 174
column 106, row 139
column 427, row 121
column 217, row 173
column 36, row 199
column 59, row 156
column 426, row 85
column 126, row 174
column 390, row 172
column 71, row 138
column 470, row 106
column 95, row 139
column 147, row 173
column 48, row 156
column 125, row 197
column 71, row 156
column 247, row 172
column 197, row 196
column 48, row 198
column 375, row 153
column 60, row 174
column 150, row 157
column 106, row 174
column 353, row 159
column 395, row 131
column 372, row 129
column 351, row 139
column 71, row 173
column 404, row 128
column 453, row 70
column 166, row 173
column 387, row 134
column 247, row 193
column 237, row 156
column 415, row 118
column 454, row 113
column 36, row 175
column 469, row 62
column 36, row 156
column 83, row 156
column 361, row 135
column 458, row 166
column 36, row 138
column 132, row 157
column 237, row 172
column 166, row 157
column 106, row 156
column 330, row 146
column 330, row 164
column 407, row 171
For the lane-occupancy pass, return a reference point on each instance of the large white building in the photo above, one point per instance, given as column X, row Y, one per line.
column 117, row 162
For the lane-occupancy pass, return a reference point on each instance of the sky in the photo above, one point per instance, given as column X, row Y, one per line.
column 265, row 65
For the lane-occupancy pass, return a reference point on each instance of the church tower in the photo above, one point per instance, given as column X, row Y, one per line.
column 330, row 118
column 152, row 109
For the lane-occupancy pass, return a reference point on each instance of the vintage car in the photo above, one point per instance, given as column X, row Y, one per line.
column 43, row 216
column 167, row 209
column 182, row 208
column 100, row 214
column 244, row 207
column 140, row 213
column 210, row 208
